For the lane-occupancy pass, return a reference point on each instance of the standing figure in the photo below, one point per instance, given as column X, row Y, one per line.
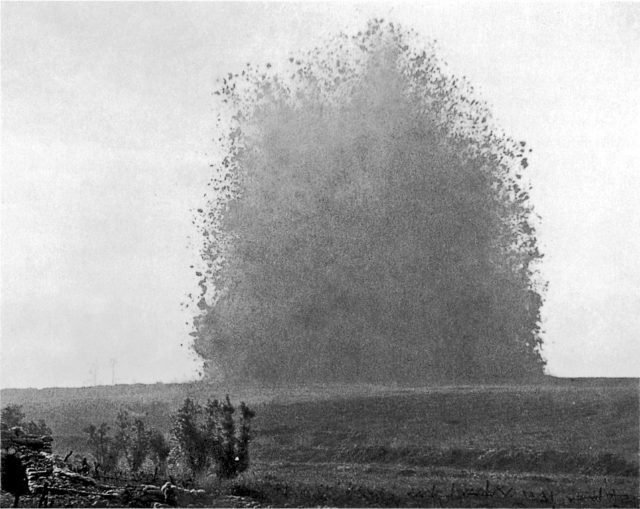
column 14, row 476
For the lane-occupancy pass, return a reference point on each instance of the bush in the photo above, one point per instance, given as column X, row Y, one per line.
column 159, row 450
column 102, row 446
column 131, row 440
column 206, row 436
column 38, row 428
column 13, row 416
column 190, row 437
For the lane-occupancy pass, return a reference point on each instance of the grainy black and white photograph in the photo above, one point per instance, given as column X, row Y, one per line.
column 320, row 254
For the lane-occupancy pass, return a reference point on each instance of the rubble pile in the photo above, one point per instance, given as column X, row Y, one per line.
column 17, row 438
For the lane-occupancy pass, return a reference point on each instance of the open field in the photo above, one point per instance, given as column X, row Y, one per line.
column 563, row 443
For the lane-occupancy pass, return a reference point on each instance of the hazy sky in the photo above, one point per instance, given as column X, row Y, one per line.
column 107, row 121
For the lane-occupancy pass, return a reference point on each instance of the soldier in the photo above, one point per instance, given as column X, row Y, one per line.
column 85, row 469
column 44, row 496
column 14, row 476
column 170, row 494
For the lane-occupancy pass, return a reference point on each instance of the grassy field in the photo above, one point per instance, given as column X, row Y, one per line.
column 563, row 443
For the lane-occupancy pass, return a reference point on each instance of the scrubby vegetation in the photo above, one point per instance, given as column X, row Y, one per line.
column 397, row 446
column 127, row 447
column 201, row 438
column 207, row 435
column 14, row 417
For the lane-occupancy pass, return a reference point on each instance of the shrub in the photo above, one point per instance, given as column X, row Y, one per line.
column 13, row 416
column 207, row 436
column 131, row 440
column 190, row 437
column 159, row 450
column 245, row 436
column 102, row 446
column 38, row 428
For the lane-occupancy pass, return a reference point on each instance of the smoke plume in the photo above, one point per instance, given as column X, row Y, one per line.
column 367, row 222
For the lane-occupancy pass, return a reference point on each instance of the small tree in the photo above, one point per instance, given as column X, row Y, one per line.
column 122, row 439
column 139, row 446
column 245, row 436
column 159, row 450
column 208, row 435
column 12, row 415
column 190, row 436
column 131, row 440
column 220, row 436
column 102, row 446
column 213, row 428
